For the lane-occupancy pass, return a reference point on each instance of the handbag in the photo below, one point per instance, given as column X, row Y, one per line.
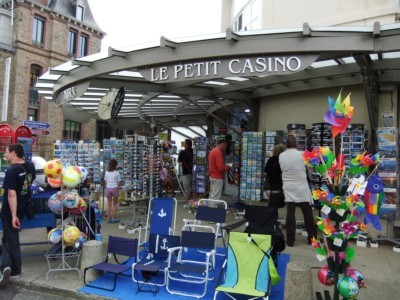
column 277, row 199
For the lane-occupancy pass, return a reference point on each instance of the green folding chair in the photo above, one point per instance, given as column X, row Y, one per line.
column 249, row 268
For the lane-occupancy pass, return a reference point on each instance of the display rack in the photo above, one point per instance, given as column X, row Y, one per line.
column 388, row 172
column 82, row 153
column 200, row 167
column 300, row 133
column 251, row 175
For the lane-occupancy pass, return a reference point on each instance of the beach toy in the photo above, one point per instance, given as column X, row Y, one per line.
column 54, row 182
column 54, row 236
column 71, row 200
column 55, row 202
column 71, row 176
column 71, row 235
column 348, row 287
column 53, row 168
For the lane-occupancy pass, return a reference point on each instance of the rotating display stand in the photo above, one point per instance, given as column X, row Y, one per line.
column 69, row 257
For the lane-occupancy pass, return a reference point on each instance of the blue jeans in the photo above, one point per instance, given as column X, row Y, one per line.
column 11, row 247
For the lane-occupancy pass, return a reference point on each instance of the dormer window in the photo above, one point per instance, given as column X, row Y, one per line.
column 80, row 12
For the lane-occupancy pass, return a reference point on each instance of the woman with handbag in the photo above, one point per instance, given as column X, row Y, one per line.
column 274, row 178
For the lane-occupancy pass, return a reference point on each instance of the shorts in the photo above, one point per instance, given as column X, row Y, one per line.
column 187, row 182
column 112, row 193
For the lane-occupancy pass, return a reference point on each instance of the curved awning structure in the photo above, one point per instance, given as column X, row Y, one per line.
column 182, row 81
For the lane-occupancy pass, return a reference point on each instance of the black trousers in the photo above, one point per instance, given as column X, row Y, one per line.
column 11, row 247
column 291, row 220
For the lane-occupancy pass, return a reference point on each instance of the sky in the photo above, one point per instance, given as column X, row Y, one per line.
column 131, row 22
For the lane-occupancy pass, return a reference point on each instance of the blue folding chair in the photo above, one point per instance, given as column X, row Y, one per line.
column 161, row 219
column 211, row 211
column 158, row 248
column 119, row 248
column 188, row 266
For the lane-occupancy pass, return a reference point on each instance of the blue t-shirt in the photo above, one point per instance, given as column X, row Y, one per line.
column 15, row 180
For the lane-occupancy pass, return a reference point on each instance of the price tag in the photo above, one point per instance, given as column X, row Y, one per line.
column 340, row 212
column 326, row 209
column 320, row 257
column 249, row 239
column 77, row 245
column 338, row 242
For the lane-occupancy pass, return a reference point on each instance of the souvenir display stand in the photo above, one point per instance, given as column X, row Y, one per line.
column 200, row 166
column 388, row 140
column 351, row 197
column 82, row 153
column 67, row 239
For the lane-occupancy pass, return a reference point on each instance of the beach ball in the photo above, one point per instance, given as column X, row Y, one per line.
column 325, row 276
column 54, row 236
column 71, row 235
column 53, row 168
column 357, row 276
column 71, row 200
column 55, row 202
column 71, row 176
column 54, row 182
column 348, row 287
column 84, row 172
column 80, row 208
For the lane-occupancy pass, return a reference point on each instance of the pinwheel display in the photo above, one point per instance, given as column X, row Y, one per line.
column 347, row 192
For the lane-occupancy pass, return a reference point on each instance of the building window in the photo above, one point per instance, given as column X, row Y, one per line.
column 83, row 45
column 72, row 130
column 33, row 100
column 72, row 43
column 38, row 31
column 80, row 12
column 32, row 114
column 249, row 18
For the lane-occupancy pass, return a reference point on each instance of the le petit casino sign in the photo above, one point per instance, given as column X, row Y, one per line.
column 232, row 67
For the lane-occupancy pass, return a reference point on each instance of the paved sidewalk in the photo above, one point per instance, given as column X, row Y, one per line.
column 380, row 266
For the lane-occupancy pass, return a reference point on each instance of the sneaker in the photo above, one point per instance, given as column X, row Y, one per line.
column 5, row 277
column 15, row 274
column 115, row 220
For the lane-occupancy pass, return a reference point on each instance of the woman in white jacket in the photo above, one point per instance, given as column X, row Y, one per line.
column 297, row 191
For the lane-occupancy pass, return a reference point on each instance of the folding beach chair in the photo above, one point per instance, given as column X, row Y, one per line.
column 119, row 248
column 191, row 267
column 248, row 269
column 161, row 219
column 211, row 211
column 158, row 248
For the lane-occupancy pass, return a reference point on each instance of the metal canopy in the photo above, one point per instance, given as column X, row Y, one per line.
column 343, row 56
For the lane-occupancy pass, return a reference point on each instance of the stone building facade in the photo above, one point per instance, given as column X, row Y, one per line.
column 35, row 36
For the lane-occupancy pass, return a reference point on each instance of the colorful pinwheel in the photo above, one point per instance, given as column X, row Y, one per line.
column 339, row 115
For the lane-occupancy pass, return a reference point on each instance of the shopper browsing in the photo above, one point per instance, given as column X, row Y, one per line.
column 185, row 158
column 217, row 169
column 112, row 180
column 274, row 177
column 15, row 201
column 296, row 190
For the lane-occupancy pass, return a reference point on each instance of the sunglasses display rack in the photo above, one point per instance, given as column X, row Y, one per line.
column 321, row 136
column 300, row 133
column 83, row 153
column 167, row 163
column 200, row 168
column 251, row 174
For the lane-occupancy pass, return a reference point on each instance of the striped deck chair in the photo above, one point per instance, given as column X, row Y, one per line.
column 249, row 269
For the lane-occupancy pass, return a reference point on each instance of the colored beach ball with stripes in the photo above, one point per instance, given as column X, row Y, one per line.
column 54, row 182
column 55, row 236
column 71, row 176
column 53, row 168
column 55, row 202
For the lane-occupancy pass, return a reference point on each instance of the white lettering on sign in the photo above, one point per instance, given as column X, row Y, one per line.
column 250, row 66
column 66, row 95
